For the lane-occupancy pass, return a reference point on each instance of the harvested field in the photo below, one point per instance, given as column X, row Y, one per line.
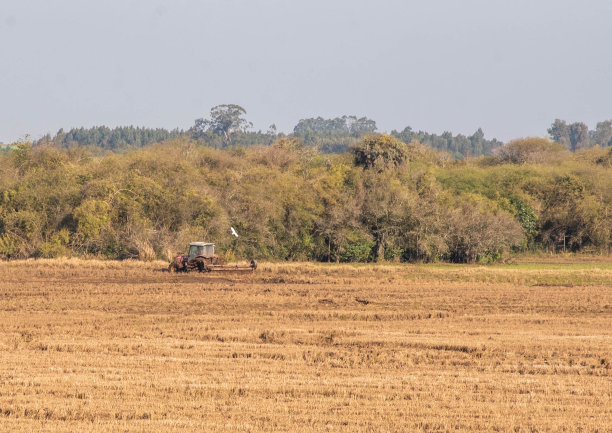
column 99, row 346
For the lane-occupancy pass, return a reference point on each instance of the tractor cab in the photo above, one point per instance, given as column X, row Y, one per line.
column 201, row 249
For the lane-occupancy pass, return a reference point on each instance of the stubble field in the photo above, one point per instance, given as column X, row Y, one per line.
column 95, row 346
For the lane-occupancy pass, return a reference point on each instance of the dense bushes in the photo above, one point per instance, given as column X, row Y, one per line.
column 385, row 200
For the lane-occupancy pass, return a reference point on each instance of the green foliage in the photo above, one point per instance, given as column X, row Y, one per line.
column 605, row 159
column 224, row 121
column 345, row 124
column 386, row 200
column 602, row 134
column 9, row 246
column 103, row 137
column 576, row 136
column 338, row 135
column 457, row 145
column 526, row 216
column 56, row 246
column 380, row 152
column 333, row 135
column 358, row 247
column 531, row 150
column 22, row 154
column 91, row 217
column 572, row 217
column 478, row 235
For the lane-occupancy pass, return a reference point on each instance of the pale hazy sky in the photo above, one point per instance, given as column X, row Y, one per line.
column 508, row 66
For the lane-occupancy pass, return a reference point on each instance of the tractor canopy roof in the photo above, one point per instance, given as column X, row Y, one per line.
column 201, row 249
column 200, row 244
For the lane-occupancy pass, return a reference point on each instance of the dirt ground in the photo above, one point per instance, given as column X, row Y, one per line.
column 96, row 346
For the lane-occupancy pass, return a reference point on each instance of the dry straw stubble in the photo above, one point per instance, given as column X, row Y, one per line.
column 98, row 346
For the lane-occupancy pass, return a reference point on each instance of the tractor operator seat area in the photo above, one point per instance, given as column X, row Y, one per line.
column 201, row 249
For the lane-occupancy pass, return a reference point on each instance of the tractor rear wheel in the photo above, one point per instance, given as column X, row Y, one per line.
column 202, row 266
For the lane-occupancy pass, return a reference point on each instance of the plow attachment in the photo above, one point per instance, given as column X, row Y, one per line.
column 231, row 268
column 205, row 265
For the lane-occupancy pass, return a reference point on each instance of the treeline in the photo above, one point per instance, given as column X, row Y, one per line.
column 458, row 146
column 576, row 136
column 333, row 135
column 227, row 126
column 102, row 137
column 383, row 200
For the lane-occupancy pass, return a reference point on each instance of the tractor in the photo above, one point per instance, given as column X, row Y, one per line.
column 202, row 258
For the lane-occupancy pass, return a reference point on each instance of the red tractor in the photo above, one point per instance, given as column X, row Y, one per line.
column 202, row 258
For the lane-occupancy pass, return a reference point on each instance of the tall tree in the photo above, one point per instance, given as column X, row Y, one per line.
column 477, row 140
column 224, row 120
column 574, row 136
column 603, row 133
column 360, row 126
column 559, row 131
column 579, row 136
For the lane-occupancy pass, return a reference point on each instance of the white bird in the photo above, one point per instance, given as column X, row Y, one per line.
column 234, row 232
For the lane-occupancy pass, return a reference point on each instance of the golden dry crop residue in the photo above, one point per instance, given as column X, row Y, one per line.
column 99, row 346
